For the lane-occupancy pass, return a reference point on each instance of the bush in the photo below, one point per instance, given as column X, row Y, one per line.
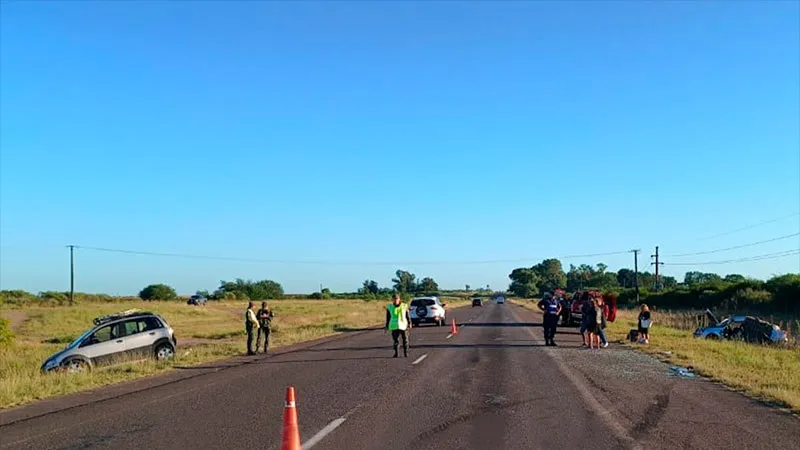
column 6, row 335
column 785, row 291
column 158, row 292
column 16, row 297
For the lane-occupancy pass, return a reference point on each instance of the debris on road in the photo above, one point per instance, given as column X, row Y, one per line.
column 683, row 372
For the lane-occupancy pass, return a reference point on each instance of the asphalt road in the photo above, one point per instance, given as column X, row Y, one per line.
column 491, row 386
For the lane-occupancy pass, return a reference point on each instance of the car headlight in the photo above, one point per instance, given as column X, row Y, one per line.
column 50, row 364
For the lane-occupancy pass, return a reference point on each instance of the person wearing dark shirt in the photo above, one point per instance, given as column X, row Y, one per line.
column 551, row 309
column 586, row 306
column 645, row 321
column 264, row 316
column 593, row 323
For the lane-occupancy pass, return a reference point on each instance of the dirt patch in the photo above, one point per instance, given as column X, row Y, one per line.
column 17, row 318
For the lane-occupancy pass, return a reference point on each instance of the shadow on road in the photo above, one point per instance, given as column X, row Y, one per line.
column 418, row 346
column 346, row 329
column 502, row 324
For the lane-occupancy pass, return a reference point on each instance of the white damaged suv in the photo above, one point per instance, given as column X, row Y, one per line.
column 124, row 336
column 427, row 309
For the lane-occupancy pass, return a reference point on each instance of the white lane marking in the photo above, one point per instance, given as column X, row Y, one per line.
column 449, row 336
column 603, row 413
column 322, row 433
column 419, row 360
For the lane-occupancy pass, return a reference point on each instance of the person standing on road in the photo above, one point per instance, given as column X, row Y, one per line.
column 593, row 323
column 551, row 308
column 601, row 330
column 250, row 324
column 265, row 316
column 586, row 306
column 398, row 321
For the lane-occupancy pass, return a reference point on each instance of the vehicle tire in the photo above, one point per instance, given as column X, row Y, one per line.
column 164, row 352
column 713, row 337
column 76, row 365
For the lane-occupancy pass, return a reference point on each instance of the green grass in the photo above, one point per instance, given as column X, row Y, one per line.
column 217, row 330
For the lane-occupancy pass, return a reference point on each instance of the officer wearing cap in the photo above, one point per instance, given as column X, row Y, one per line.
column 551, row 309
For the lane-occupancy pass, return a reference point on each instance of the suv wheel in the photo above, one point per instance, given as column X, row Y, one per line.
column 164, row 352
column 76, row 365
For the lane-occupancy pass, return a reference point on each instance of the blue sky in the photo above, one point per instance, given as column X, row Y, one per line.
column 437, row 133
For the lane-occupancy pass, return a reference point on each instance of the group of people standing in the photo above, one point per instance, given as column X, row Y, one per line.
column 593, row 322
column 257, row 323
column 594, row 314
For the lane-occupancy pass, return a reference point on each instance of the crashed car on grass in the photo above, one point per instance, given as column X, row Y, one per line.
column 747, row 328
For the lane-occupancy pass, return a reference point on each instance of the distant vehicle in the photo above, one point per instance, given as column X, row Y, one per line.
column 477, row 301
column 427, row 310
column 747, row 328
column 123, row 335
column 196, row 300
column 500, row 299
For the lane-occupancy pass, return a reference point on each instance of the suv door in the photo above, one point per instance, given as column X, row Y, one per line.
column 140, row 334
column 105, row 344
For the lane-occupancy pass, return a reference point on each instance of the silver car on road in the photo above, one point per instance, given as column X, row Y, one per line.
column 124, row 336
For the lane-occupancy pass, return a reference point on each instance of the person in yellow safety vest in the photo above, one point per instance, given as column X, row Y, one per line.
column 250, row 325
column 398, row 321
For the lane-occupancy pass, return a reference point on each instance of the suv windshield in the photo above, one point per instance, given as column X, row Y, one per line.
column 78, row 340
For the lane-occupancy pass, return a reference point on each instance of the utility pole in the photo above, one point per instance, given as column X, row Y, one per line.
column 636, row 272
column 71, row 273
column 657, row 263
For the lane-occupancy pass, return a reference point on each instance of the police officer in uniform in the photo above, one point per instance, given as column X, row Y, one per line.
column 265, row 316
column 551, row 308
column 398, row 321
column 250, row 325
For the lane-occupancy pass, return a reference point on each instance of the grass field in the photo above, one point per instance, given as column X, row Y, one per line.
column 768, row 373
column 206, row 333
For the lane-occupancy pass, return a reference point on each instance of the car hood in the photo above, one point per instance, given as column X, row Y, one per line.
column 55, row 356
column 712, row 319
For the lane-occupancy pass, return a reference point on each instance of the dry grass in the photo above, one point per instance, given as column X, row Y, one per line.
column 771, row 374
column 215, row 331
column 765, row 372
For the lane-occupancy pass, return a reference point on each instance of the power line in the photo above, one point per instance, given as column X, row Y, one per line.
column 329, row 262
column 735, row 247
column 748, row 259
column 752, row 226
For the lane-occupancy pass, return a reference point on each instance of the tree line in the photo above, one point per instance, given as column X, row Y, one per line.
column 697, row 290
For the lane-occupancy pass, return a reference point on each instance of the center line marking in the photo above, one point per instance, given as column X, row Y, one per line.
column 323, row 432
column 419, row 360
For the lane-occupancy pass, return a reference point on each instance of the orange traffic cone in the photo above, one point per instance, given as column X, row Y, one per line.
column 291, row 432
column 454, row 328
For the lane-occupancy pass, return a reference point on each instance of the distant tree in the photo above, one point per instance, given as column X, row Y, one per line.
column 427, row 284
column 249, row 290
column 694, row 278
column 467, row 288
column 203, row 293
column 735, row 278
column 626, row 278
column 158, row 292
column 404, row 281
column 369, row 287
column 524, row 282
column 668, row 282
column 551, row 274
